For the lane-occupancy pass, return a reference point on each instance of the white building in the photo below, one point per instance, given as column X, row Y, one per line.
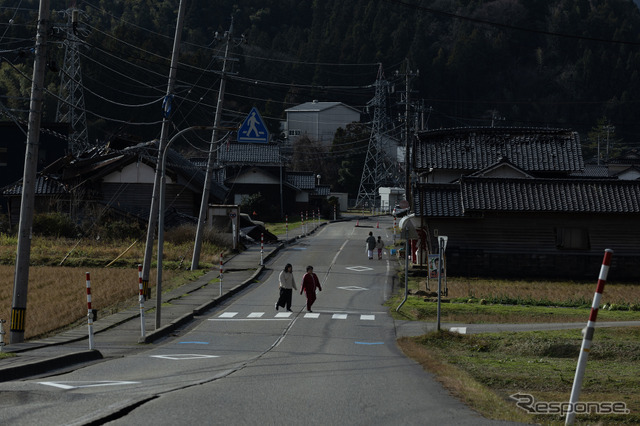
column 318, row 120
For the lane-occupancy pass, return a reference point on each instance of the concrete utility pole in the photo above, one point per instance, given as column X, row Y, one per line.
column 21, row 277
column 407, row 156
column 202, row 217
column 153, row 211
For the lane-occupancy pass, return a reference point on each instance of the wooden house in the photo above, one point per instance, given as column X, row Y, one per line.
column 512, row 204
column 248, row 169
column 118, row 182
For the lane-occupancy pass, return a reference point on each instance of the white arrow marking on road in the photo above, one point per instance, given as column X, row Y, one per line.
column 64, row 385
column 359, row 268
column 180, row 357
column 352, row 288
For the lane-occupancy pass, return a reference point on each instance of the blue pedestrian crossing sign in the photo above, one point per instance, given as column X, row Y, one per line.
column 253, row 129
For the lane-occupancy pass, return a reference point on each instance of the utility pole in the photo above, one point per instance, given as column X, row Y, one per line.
column 213, row 147
column 21, row 276
column 153, row 212
column 407, row 155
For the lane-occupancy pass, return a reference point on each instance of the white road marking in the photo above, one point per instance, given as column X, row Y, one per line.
column 286, row 316
column 182, row 357
column 359, row 268
column 92, row 384
column 352, row 288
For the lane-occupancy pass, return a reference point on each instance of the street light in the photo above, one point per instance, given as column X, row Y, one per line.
column 161, row 217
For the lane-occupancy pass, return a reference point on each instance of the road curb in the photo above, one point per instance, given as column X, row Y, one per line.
column 185, row 319
column 45, row 366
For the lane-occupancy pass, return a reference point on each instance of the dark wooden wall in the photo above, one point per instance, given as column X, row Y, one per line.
column 524, row 245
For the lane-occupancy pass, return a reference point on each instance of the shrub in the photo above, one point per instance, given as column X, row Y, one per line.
column 54, row 225
column 185, row 234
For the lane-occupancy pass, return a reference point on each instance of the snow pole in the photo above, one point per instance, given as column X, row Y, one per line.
column 220, row 274
column 286, row 226
column 141, row 300
column 89, row 311
column 587, row 333
column 262, row 249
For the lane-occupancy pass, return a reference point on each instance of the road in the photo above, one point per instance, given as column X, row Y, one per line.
column 245, row 363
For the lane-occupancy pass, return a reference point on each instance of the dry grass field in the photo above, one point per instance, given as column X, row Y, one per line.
column 555, row 292
column 57, row 294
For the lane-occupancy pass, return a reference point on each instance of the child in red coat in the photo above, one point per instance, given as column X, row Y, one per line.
column 310, row 282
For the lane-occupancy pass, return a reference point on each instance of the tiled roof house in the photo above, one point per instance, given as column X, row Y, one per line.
column 507, row 212
column 248, row 169
column 119, row 181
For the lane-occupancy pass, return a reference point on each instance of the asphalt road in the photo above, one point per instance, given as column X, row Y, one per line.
column 245, row 363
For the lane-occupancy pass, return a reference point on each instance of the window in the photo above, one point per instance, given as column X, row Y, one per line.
column 3, row 156
column 295, row 132
column 572, row 238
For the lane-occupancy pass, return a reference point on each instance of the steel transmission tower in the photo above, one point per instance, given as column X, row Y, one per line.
column 71, row 97
column 378, row 168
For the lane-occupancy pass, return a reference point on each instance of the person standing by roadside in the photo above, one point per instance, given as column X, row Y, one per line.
column 371, row 245
column 310, row 282
column 379, row 246
column 287, row 285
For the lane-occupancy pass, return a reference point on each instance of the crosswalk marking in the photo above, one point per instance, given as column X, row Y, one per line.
column 286, row 315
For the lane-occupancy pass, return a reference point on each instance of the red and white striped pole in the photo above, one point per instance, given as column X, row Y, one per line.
column 588, row 337
column 89, row 311
column 302, row 222
column 286, row 226
column 334, row 212
column 262, row 249
column 220, row 274
column 141, row 300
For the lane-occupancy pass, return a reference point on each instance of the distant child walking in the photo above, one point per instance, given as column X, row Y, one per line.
column 379, row 246
column 310, row 282
column 371, row 245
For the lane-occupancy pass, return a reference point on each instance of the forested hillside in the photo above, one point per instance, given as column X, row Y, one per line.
column 566, row 63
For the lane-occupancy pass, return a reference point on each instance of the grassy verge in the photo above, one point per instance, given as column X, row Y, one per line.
column 485, row 370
